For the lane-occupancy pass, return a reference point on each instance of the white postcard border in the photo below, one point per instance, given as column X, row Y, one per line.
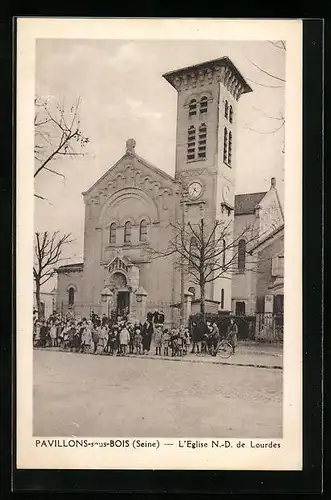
column 289, row 455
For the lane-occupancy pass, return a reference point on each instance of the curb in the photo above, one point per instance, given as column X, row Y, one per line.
column 179, row 359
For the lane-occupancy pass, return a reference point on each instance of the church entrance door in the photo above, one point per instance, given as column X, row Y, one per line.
column 123, row 303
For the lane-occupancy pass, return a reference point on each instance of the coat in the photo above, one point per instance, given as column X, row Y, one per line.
column 158, row 337
column 124, row 336
column 147, row 332
column 198, row 331
column 232, row 334
column 87, row 336
column 215, row 332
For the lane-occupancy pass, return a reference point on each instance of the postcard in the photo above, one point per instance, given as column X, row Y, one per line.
column 159, row 286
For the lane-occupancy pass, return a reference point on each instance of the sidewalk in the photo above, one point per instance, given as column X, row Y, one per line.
column 247, row 354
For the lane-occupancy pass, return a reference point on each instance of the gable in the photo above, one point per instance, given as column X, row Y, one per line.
column 129, row 171
column 270, row 214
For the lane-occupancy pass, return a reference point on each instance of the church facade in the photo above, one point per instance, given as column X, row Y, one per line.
column 130, row 211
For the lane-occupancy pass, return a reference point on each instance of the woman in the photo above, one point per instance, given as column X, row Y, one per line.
column 198, row 331
column 147, row 332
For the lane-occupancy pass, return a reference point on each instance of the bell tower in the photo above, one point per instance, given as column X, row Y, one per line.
column 206, row 139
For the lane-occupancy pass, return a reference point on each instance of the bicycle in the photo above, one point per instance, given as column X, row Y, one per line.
column 224, row 349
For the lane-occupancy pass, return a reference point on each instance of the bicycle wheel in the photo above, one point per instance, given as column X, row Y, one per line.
column 224, row 349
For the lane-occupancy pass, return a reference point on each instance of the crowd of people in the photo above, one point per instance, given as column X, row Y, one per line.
column 118, row 336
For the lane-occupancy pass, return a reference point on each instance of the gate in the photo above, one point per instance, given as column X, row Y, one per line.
column 269, row 327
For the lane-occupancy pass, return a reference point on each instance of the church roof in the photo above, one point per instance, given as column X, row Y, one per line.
column 221, row 61
column 71, row 267
column 131, row 154
column 245, row 204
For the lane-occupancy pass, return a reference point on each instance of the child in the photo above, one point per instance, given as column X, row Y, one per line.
column 52, row 333
column 37, row 335
column 112, row 340
column 86, row 338
column 137, row 341
column 102, row 339
column 174, row 342
column 158, row 340
column 180, row 342
column 166, row 339
column 124, row 339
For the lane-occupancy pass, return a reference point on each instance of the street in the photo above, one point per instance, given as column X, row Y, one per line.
column 90, row 395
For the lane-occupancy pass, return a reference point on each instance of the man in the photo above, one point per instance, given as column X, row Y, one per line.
column 232, row 334
column 215, row 338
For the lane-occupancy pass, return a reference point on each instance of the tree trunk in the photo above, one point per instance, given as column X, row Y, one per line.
column 202, row 299
column 38, row 298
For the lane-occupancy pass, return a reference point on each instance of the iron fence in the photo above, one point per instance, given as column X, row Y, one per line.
column 269, row 327
column 80, row 309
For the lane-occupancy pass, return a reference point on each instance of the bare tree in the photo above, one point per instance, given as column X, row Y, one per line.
column 277, row 83
column 57, row 133
column 48, row 251
column 209, row 252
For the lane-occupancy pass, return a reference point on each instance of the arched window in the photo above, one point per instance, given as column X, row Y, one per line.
column 192, row 107
column 225, row 145
column 192, row 291
column 112, row 233
column 127, row 232
column 223, row 250
column 204, row 105
column 226, row 110
column 230, row 149
column 191, row 143
column 242, row 255
column 222, row 298
column 202, row 140
column 143, row 230
column 194, row 245
column 71, row 298
column 231, row 114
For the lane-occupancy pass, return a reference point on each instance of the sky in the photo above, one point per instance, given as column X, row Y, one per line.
column 123, row 95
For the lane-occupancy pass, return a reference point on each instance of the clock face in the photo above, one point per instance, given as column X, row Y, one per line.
column 194, row 190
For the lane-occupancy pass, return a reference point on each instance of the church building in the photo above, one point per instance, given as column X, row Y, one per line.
column 132, row 208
